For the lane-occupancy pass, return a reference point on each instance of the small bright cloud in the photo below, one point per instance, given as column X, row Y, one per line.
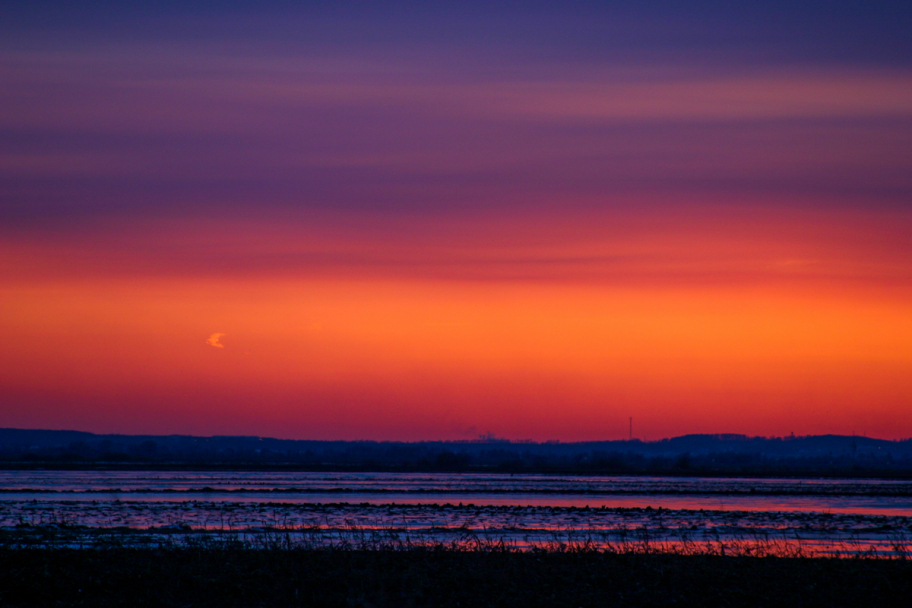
column 213, row 340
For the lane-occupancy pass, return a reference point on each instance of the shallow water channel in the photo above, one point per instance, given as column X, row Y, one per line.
column 522, row 511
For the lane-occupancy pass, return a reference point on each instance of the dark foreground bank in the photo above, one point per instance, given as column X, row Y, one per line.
column 247, row 577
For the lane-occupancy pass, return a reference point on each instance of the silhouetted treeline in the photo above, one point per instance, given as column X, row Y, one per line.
column 825, row 455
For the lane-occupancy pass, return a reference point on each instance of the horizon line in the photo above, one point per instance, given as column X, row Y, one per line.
column 485, row 438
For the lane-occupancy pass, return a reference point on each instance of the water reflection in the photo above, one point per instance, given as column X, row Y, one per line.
column 524, row 511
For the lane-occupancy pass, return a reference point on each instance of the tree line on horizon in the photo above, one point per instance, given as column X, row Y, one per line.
column 823, row 455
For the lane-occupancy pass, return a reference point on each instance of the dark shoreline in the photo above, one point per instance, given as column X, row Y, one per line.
column 456, row 492
column 725, row 455
column 855, row 473
column 266, row 577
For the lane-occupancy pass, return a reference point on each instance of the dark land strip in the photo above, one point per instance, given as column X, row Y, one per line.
column 726, row 455
column 900, row 471
column 842, row 491
column 228, row 577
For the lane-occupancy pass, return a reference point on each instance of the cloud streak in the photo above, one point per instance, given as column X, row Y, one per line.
column 698, row 212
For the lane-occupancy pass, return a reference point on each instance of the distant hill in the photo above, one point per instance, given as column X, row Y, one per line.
column 729, row 454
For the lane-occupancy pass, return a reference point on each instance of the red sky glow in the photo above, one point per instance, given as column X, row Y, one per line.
column 409, row 236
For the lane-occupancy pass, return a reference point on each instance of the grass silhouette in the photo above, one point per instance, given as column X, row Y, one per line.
column 226, row 574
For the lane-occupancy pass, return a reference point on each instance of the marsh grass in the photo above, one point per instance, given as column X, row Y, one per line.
column 463, row 539
column 207, row 571
column 283, row 565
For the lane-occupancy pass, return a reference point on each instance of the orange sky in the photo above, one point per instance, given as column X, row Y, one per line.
column 703, row 323
column 454, row 219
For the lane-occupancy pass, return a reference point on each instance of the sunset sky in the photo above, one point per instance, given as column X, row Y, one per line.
column 416, row 220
